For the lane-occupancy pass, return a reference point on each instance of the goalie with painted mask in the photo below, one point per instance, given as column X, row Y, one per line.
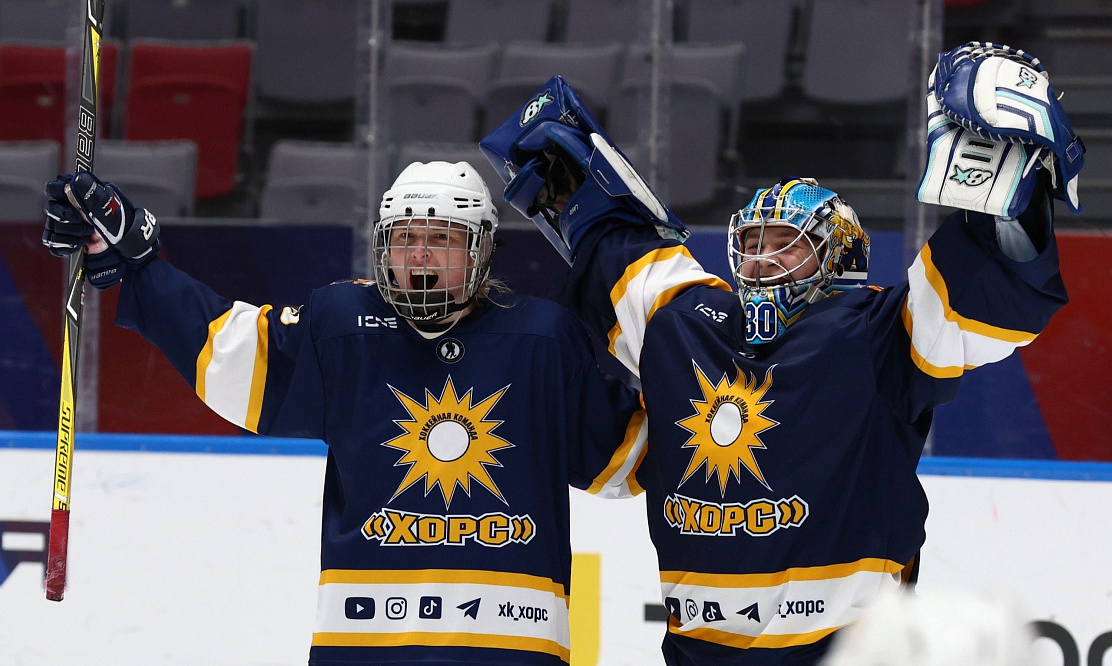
column 787, row 416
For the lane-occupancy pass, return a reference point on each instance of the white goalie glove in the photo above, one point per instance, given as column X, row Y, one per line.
column 992, row 122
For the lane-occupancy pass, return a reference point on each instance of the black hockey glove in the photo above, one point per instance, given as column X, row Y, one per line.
column 79, row 205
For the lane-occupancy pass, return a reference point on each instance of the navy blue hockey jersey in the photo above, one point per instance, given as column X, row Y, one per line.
column 780, row 478
column 445, row 534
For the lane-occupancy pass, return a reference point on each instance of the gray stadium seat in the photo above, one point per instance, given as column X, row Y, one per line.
column 188, row 19
column 160, row 174
column 1098, row 156
column 763, row 26
column 24, row 168
column 37, row 20
column 591, row 69
column 433, row 90
column 1073, row 51
column 306, row 51
column 313, row 182
column 459, row 152
column 857, row 51
column 1072, row 9
column 719, row 65
column 694, row 137
column 604, row 20
column 500, row 20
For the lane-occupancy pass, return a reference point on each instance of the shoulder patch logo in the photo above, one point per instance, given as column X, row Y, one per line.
column 726, row 427
column 449, row 350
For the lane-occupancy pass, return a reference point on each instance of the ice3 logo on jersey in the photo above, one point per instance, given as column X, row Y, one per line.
column 726, row 427
column 533, row 108
column 448, row 442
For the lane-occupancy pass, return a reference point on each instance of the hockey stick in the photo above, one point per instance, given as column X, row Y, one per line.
column 75, row 298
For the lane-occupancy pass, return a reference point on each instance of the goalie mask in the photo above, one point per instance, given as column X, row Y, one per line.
column 794, row 244
column 433, row 241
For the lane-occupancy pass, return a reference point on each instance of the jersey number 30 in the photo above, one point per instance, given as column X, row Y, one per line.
column 760, row 321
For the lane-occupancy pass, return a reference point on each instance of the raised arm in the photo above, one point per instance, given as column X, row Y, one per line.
column 255, row 366
column 625, row 247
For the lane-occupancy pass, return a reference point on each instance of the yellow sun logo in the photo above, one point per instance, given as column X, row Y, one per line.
column 448, row 442
column 726, row 427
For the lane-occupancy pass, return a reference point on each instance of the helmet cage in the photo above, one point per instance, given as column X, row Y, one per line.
column 835, row 238
column 422, row 270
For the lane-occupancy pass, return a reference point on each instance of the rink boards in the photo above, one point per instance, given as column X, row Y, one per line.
column 204, row 550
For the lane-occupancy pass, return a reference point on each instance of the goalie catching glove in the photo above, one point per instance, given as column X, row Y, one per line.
column 77, row 205
column 992, row 122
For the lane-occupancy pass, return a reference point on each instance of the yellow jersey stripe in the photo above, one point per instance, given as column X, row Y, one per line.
column 938, row 372
column 501, row 578
column 333, row 639
column 258, row 374
column 205, row 357
column 934, row 277
column 760, row 641
column 870, row 564
column 621, row 455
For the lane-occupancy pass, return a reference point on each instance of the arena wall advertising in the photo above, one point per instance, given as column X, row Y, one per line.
column 204, row 550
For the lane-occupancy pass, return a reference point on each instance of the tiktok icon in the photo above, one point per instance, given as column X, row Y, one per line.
column 430, row 608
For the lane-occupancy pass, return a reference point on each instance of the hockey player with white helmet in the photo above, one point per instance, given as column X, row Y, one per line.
column 456, row 417
column 787, row 418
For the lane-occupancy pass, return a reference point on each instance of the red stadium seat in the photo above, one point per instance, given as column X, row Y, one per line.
column 192, row 92
column 33, row 87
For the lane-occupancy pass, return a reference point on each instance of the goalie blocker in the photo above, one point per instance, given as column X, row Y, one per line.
column 993, row 122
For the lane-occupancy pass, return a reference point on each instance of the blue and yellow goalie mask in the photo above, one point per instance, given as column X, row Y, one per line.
column 795, row 243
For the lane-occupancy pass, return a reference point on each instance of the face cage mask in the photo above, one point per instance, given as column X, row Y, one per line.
column 432, row 274
column 773, row 302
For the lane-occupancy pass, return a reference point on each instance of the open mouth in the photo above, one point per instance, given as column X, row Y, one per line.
column 422, row 280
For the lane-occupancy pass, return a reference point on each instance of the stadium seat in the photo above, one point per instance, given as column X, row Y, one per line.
column 1074, row 10
column 498, row 20
column 190, row 19
column 433, row 90
column 763, row 26
column 719, row 65
column 694, row 137
column 873, row 66
column 591, row 69
column 604, row 20
column 306, row 51
column 1073, row 51
column 160, row 174
column 24, row 168
column 196, row 92
column 32, row 92
column 459, row 152
column 314, row 182
column 44, row 21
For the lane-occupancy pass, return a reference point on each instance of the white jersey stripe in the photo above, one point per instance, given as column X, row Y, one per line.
column 231, row 369
column 648, row 284
column 943, row 342
column 797, row 611
column 446, row 612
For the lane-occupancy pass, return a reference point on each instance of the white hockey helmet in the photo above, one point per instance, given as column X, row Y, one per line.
column 421, row 194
